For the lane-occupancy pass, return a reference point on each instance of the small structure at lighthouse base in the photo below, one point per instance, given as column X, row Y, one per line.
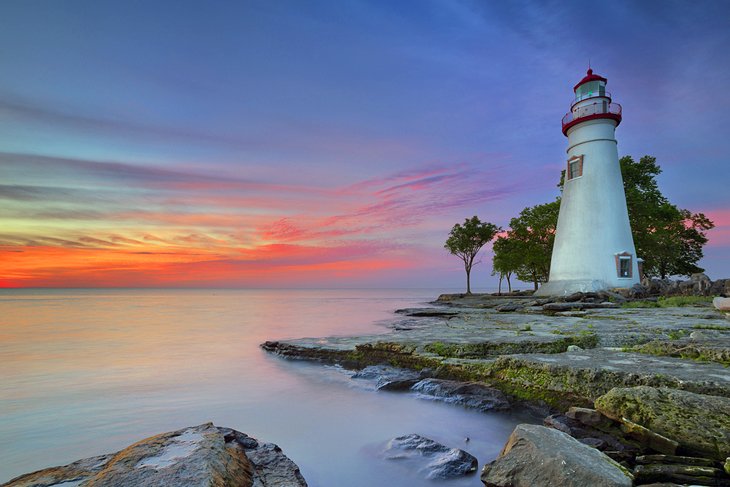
column 594, row 248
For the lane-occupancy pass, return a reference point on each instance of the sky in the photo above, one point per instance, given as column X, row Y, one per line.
column 328, row 143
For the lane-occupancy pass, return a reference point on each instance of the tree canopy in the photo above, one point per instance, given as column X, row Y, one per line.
column 527, row 248
column 668, row 238
column 465, row 241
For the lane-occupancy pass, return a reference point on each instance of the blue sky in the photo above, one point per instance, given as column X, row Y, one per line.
column 358, row 131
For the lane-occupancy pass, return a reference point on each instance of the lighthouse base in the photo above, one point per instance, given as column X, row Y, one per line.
column 564, row 288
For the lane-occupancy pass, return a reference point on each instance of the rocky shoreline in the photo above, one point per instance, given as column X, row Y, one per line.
column 630, row 394
column 625, row 389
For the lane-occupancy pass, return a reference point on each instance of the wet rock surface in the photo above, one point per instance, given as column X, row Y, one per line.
column 468, row 394
column 433, row 460
column 202, row 455
column 536, row 455
column 561, row 359
column 389, row 378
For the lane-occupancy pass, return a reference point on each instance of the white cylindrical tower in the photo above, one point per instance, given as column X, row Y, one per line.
column 593, row 248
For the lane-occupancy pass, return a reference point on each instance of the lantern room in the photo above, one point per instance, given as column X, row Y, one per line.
column 591, row 102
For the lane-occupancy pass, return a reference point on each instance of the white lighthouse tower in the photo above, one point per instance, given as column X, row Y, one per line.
column 593, row 247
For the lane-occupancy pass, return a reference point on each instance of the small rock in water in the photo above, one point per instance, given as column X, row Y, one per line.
column 469, row 394
column 574, row 348
column 442, row 462
column 389, row 378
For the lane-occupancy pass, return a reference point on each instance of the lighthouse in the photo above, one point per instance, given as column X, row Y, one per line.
column 593, row 247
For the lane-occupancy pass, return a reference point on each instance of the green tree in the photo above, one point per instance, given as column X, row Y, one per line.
column 532, row 235
column 668, row 238
column 506, row 260
column 465, row 241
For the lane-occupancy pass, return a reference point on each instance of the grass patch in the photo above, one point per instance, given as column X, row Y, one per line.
column 679, row 301
column 712, row 327
column 670, row 302
column 676, row 334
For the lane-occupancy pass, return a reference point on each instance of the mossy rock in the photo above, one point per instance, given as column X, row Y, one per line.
column 699, row 423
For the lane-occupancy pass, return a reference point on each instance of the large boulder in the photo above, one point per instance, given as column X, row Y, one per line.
column 722, row 304
column 536, row 455
column 437, row 461
column 202, row 456
column 699, row 423
column 468, row 394
column 701, row 284
column 721, row 287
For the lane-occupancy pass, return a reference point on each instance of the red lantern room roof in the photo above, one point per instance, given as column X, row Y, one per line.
column 590, row 77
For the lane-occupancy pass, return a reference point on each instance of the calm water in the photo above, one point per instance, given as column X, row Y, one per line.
column 87, row 372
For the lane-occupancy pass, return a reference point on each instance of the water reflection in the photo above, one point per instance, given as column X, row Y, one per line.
column 87, row 372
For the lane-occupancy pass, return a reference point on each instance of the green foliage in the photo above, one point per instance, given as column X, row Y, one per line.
column 441, row 348
column 507, row 258
column 527, row 248
column 465, row 241
column 712, row 327
column 679, row 301
column 670, row 302
column 668, row 238
column 676, row 334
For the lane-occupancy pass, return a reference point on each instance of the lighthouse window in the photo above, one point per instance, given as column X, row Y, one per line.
column 623, row 265
column 575, row 167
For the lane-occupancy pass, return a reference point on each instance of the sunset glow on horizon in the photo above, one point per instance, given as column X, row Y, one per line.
column 332, row 144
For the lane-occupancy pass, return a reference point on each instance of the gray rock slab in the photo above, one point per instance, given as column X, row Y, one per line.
column 612, row 368
column 537, row 455
column 472, row 325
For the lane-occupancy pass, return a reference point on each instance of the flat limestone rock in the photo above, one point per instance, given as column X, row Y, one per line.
column 592, row 373
column 440, row 461
column 202, row 456
column 537, row 455
column 699, row 423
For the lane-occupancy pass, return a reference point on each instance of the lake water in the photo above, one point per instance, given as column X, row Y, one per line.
column 85, row 372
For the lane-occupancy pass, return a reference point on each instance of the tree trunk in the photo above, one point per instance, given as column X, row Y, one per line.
column 499, row 289
column 534, row 277
column 509, row 284
column 468, row 284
